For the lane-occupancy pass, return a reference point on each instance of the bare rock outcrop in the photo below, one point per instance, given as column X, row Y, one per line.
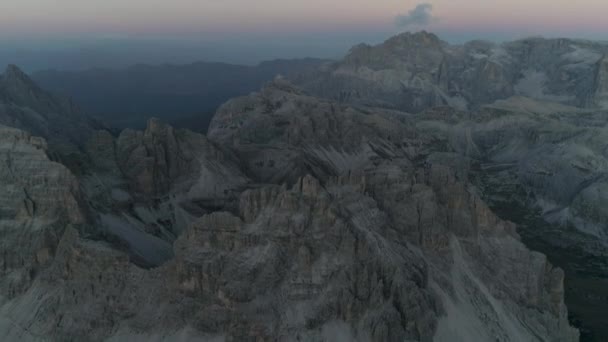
column 40, row 198
column 600, row 97
column 425, row 209
column 162, row 159
column 147, row 186
column 351, row 259
column 282, row 133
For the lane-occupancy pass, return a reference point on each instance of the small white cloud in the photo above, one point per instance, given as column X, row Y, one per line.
column 420, row 16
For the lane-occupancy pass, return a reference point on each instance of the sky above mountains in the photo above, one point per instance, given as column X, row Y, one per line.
column 248, row 31
column 176, row 17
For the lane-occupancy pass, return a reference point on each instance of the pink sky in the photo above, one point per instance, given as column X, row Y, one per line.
column 153, row 17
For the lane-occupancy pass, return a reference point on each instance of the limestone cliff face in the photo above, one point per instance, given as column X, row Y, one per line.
column 331, row 279
column 162, row 159
column 282, row 133
column 39, row 199
column 351, row 259
column 146, row 186
column 427, row 208
column 555, row 152
column 543, row 165
column 600, row 98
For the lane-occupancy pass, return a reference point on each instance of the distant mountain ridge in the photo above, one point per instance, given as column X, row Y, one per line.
column 409, row 72
column 187, row 94
column 416, row 71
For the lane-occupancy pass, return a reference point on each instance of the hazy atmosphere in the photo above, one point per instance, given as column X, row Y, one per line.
column 303, row 170
column 73, row 34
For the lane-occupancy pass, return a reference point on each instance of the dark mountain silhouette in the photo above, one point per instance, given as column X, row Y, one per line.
column 185, row 95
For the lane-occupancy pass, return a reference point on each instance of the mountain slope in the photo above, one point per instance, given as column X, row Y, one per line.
column 542, row 165
column 24, row 105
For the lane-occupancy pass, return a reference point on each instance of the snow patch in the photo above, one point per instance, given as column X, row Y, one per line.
column 582, row 55
column 532, row 84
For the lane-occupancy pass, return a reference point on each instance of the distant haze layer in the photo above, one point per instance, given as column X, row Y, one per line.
column 76, row 34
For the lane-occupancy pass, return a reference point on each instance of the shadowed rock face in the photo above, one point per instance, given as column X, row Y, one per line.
column 24, row 105
column 331, row 223
column 413, row 72
column 40, row 198
column 148, row 185
column 185, row 95
column 282, row 133
column 162, row 159
column 600, row 98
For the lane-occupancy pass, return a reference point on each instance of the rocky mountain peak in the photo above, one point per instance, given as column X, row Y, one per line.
column 27, row 106
column 13, row 72
column 18, row 88
column 16, row 83
column 406, row 47
column 157, row 127
column 416, row 71
column 281, row 84
column 415, row 39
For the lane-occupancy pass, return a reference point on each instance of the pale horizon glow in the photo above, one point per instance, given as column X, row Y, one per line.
column 78, row 34
column 61, row 18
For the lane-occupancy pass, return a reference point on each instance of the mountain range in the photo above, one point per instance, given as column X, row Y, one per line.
column 404, row 193
column 412, row 72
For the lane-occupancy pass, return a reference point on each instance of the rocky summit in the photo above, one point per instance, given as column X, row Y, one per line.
column 296, row 218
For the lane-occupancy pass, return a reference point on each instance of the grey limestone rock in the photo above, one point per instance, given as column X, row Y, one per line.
column 335, row 223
